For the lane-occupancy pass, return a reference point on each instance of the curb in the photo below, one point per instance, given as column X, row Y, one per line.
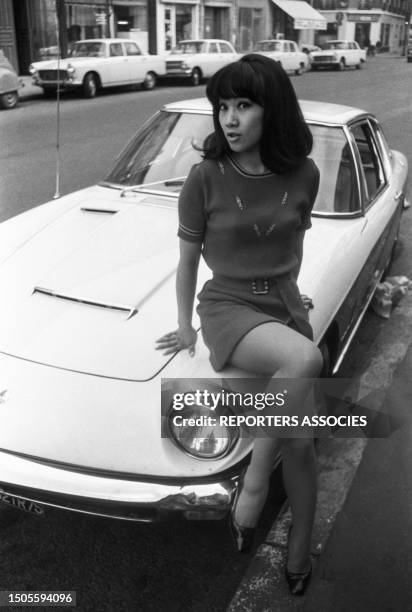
column 263, row 588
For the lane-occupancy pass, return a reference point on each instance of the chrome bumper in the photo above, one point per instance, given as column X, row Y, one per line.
column 144, row 501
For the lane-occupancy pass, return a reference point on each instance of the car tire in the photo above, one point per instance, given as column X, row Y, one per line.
column 9, row 100
column 195, row 77
column 90, row 85
column 359, row 66
column 342, row 65
column 300, row 70
column 149, row 81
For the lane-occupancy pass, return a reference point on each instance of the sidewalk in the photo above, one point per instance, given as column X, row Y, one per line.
column 362, row 553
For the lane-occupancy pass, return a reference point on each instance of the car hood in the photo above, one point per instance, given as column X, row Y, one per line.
column 93, row 289
column 324, row 52
column 181, row 57
column 65, row 63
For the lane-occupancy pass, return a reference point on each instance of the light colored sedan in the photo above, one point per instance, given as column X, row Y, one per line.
column 97, row 63
column 199, row 59
column 286, row 52
column 88, row 285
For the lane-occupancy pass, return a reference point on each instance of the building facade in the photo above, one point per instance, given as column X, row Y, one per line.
column 382, row 24
column 29, row 29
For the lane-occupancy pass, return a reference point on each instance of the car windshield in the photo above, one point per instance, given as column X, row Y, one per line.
column 87, row 49
column 269, row 45
column 162, row 153
column 334, row 45
column 194, row 46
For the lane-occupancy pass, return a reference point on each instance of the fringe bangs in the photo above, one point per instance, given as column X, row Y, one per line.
column 236, row 80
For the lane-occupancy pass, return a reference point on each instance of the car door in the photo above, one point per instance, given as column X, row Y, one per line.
column 137, row 62
column 214, row 59
column 118, row 64
column 294, row 56
column 380, row 210
column 227, row 53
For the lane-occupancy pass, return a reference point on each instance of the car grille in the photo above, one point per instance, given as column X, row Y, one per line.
column 324, row 58
column 173, row 65
column 53, row 75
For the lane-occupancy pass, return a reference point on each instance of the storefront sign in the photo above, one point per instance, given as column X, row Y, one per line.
column 310, row 24
column 363, row 18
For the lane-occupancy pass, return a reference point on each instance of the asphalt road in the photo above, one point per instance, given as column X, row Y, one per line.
column 120, row 566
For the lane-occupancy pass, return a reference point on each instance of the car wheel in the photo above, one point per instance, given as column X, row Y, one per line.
column 359, row 66
column 341, row 65
column 9, row 100
column 90, row 85
column 299, row 70
column 195, row 77
column 149, row 81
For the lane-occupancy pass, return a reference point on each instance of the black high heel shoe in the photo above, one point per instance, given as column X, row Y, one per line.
column 297, row 581
column 242, row 536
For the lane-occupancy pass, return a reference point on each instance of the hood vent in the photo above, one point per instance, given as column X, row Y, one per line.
column 131, row 310
column 107, row 211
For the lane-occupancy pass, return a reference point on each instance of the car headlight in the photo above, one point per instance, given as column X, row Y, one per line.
column 70, row 69
column 185, row 66
column 32, row 69
column 199, row 432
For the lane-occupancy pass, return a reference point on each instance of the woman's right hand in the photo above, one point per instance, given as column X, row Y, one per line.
column 182, row 338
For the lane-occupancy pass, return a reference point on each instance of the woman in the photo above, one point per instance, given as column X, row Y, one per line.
column 246, row 207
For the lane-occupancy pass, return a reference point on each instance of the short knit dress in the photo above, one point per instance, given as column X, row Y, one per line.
column 248, row 226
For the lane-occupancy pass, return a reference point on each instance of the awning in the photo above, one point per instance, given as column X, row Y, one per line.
column 305, row 17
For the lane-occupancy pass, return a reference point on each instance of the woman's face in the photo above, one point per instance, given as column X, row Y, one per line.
column 242, row 123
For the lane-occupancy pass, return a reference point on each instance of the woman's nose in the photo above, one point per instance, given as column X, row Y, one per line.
column 232, row 118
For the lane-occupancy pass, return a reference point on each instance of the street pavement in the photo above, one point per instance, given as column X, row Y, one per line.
column 362, row 544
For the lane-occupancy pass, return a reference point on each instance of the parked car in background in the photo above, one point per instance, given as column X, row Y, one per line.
column 338, row 54
column 286, row 52
column 9, row 83
column 97, row 63
column 199, row 59
column 88, row 285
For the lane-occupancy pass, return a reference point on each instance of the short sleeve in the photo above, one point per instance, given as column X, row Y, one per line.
column 192, row 217
column 313, row 192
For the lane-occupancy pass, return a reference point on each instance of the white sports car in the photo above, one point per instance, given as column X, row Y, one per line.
column 88, row 286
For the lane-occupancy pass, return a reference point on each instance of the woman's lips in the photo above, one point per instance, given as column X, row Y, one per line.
column 232, row 137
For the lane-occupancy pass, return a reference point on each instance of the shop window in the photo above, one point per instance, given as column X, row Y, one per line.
column 133, row 17
column 183, row 22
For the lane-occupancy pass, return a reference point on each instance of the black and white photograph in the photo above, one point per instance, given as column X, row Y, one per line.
column 206, row 305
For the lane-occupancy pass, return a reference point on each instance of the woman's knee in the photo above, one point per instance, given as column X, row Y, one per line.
column 304, row 363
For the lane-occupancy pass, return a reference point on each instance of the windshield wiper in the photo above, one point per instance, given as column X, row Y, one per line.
column 143, row 186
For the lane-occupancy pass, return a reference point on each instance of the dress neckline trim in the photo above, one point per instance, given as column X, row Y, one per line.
column 244, row 172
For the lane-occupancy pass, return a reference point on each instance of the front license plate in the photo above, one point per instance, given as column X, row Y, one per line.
column 21, row 504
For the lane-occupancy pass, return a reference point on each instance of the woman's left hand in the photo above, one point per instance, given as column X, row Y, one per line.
column 178, row 340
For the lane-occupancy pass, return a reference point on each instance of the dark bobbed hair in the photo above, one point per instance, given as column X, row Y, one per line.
column 286, row 139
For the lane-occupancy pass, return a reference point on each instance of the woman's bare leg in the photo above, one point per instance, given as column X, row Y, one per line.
column 300, row 479
column 278, row 351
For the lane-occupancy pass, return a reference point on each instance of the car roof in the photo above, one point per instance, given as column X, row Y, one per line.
column 314, row 111
column 193, row 40
column 103, row 40
column 275, row 40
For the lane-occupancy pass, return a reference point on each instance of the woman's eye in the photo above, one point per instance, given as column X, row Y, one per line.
column 244, row 104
